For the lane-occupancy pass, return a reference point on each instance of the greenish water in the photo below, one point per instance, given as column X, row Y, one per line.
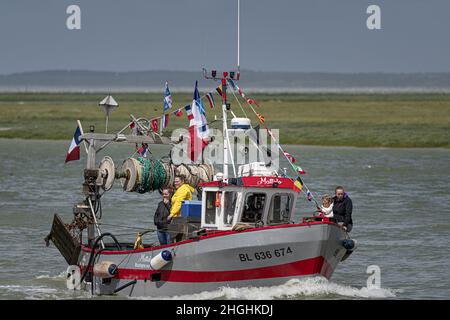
column 401, row 220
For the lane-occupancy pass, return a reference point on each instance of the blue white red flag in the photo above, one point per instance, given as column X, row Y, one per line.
column 189, row 114
column 178, row 112
column 198, row 127
column 74, row 149
column 198, row 111
column 167, row 98
column 165, row 121
column 143, row 150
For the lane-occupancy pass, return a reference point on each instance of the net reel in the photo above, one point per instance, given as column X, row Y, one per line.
column 107, row 173
column 154, row 174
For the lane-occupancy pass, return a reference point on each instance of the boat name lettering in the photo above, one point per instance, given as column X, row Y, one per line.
column 145, row 258
column 264, row 255
column 268, row 181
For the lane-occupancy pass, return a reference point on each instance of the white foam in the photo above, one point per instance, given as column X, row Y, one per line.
column 294, row 288
column 62, row 275
column 28, row 290
column 42, row 293
column 314, row 287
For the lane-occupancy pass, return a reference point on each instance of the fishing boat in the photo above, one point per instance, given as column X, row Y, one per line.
column 240, row 233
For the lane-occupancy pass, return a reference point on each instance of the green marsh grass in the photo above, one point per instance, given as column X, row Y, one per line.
column 361, row 120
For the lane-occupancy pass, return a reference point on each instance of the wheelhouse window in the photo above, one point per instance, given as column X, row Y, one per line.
column 253, row 207
column 230, row 200
column 210, row 210
column 280, row 209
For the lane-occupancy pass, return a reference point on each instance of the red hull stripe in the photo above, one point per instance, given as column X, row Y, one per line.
column 298, row 268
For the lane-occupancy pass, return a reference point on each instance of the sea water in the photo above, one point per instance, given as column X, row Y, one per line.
column 401, row 215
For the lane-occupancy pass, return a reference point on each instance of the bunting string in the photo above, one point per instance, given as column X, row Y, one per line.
column 237, row 100
column 294, row 167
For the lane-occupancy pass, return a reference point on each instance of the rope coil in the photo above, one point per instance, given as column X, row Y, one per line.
column 147, row 175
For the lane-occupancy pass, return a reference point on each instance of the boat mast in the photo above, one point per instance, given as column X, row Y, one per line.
column 225, row 127
column 238, row 33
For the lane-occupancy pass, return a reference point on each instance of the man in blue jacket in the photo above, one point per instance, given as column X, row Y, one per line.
column 342, row 208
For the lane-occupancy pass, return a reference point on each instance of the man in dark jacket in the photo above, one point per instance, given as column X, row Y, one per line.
column 160, row 218
column 342, row 208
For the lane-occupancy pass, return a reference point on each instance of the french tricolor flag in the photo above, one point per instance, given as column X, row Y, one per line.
column 74, row 149
column 165, row 120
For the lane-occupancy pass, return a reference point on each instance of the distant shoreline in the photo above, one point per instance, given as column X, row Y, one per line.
column 186, row 90
column 250, row 81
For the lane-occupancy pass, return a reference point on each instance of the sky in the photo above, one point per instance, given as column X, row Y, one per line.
column 276, row 35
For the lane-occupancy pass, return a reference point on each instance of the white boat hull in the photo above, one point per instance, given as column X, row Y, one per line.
column 258, row 257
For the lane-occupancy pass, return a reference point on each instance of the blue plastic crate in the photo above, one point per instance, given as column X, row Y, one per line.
column 191, row 208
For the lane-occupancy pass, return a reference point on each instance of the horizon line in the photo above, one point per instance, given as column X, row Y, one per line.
column 242, row 70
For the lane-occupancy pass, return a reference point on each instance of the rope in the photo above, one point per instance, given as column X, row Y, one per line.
column 153, row 175
column 232, row 91
column 126, row 227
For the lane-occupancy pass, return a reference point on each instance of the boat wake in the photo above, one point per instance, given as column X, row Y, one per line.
column 308, row 288
column 27, row 292
column 314, row 287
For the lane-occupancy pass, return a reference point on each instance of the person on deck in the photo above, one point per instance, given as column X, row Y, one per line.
column 160, row 218
column 184, row 192
column 342, row 208
column 326, row 209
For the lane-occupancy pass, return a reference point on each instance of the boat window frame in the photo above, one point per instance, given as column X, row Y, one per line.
column 291, row 208
column 264, row 208
column 203, row 219
column 236, row 205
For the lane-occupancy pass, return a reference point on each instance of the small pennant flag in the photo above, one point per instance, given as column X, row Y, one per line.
column 309, row 195
column 143, row 150
column 241, row 92
column 132, row 125
column 154, row 124
column 167, row 98
column 74, row 149
column 210, row 98
column 260, row 117
column 219, row 90
column 232, row 84
column 165, row 120
column 178, row 112
column 298, row 183
column 289, row 157
column 189, row 114
column 300, row 170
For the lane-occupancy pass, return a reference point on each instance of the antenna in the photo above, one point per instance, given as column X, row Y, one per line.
column 238, row 31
